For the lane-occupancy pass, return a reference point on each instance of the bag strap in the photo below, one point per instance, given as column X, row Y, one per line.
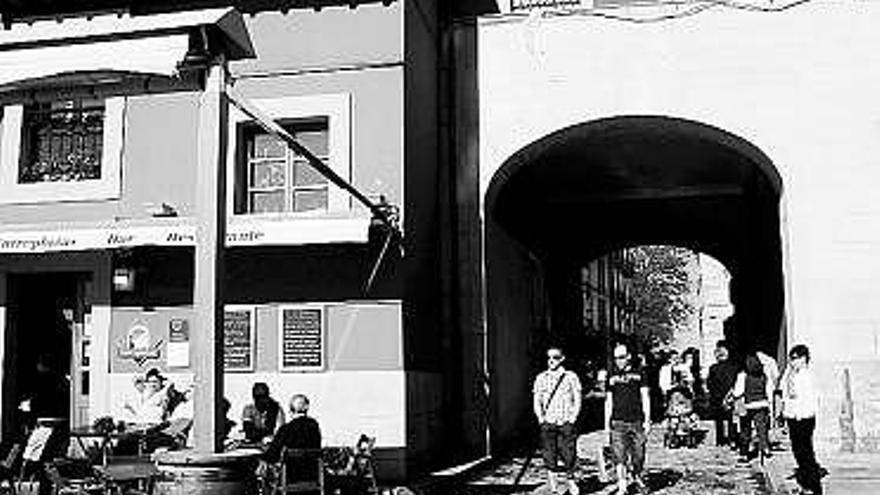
column 552, row 393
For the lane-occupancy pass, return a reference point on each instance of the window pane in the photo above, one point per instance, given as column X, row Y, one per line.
column 266, row 146
column 267, row 202
column 314, row 141
column 268, row 174
column 308, row 200
column 62, row 141
column 305, row 175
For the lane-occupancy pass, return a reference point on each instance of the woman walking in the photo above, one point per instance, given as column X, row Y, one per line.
column 752, row 386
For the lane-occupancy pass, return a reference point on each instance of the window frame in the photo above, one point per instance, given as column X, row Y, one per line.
column 109, row 186
column 334, row 107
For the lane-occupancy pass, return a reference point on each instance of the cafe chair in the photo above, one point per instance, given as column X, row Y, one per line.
column 130, row 475
column 8, row 472
column 299, row 471
column 73, row 477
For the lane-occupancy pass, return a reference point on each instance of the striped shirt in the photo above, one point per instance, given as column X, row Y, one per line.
column 565, row 405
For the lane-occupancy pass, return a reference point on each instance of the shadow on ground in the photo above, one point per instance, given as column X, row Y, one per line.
column 658, row 479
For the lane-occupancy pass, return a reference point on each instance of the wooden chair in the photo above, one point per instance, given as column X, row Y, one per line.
column 299, row 471
column 70, row 477
column 8, row 472
column 128, row 474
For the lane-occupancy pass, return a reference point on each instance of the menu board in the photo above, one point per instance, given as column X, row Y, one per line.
column 238, row 339
column 302, row 336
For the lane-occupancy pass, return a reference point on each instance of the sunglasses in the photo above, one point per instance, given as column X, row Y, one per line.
column 620, row 358
column 554, row 357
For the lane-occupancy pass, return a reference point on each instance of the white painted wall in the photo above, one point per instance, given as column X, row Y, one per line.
column 802, row 85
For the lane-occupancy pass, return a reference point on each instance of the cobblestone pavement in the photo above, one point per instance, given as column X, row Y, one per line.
column 705, row 470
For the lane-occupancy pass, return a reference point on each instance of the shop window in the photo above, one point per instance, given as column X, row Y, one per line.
column 62, row 150
column 267, row 178
column 279, row 180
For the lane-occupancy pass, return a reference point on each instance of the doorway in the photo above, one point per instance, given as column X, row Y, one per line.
column 44, row 343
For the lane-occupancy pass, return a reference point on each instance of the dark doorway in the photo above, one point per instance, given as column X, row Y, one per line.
column 44, row 309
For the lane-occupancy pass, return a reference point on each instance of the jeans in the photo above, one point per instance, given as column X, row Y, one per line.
column 628, row 444
column 800, row 431
column 558, row 443
column 760, row 418
column 725, row 428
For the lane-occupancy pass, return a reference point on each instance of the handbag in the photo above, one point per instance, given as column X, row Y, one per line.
column 545, row 405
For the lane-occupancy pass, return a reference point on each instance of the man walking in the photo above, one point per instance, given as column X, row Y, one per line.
column 627, row 418
column 557, row 402
column 799, row 404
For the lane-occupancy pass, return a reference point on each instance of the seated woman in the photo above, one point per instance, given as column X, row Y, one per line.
column 301, row 432
column 153, row 420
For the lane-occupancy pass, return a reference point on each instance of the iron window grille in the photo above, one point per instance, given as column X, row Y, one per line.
column 62, row 141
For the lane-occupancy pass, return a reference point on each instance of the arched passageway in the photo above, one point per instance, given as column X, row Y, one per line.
column 600, row 186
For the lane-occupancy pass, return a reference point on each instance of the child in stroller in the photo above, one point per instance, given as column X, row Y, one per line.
column 681, row 422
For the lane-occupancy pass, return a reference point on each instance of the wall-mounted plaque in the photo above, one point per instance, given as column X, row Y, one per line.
column 239, row 327
column 302, row 338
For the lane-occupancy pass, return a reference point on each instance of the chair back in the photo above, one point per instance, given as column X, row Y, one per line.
column 11, row 458
column 301, row 471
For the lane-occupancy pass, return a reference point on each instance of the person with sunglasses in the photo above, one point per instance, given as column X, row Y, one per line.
column 557, row 403
column 627, row 418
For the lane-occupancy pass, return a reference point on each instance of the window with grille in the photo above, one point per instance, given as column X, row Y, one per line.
column 277, row 180
column 62, row 141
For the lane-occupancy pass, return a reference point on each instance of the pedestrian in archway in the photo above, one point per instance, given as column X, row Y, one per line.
column 752, row 385
column 627, row 419
column 556, row 400
column 722, row 376
column 799, row 405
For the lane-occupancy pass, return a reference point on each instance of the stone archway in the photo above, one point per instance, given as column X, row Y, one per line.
column 607, row 184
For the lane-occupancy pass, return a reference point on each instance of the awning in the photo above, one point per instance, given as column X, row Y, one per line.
column 182, row 232
column 153, row 44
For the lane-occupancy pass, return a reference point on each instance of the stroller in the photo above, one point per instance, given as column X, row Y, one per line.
column 681, row 422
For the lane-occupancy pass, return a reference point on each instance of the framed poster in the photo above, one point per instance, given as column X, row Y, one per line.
column 239, row 337
column 301, row 332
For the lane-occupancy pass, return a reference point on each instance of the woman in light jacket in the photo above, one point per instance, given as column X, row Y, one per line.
column 752, row 385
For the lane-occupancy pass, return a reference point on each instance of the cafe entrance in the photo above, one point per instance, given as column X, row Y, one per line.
column 46, row 347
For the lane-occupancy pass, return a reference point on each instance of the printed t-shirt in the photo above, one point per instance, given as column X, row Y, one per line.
column 625, row 387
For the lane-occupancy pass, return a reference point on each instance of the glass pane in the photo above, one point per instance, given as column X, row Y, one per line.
column 314, row 141
column 268, row 174
column 305, row 175
column 307, row 200
column 62, row 142
column 266, row 146
column 267, row 202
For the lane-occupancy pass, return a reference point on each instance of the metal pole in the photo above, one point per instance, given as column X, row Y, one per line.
column 206, row 349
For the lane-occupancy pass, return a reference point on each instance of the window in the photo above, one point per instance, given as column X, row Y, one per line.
column 266, row 178
column 61, row 141
column 279, row 180
column 62, row 150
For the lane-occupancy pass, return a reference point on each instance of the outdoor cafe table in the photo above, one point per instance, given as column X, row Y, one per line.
column 106, row 438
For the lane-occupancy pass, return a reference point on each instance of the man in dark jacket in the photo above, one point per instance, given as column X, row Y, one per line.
column 722, row 376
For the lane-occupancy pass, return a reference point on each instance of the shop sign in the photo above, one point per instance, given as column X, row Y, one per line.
column 138, row 345
column 302, row 338
column 239, row 233
column 519, row 5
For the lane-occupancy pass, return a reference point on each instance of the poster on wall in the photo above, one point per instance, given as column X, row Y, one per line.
column 301, row 330
column 239, row 325
column 178, row 343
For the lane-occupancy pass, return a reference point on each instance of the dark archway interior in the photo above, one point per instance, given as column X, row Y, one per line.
column 600, row 186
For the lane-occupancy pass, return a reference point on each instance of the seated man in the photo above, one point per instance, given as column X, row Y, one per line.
column 260, row 419
column 301, row 432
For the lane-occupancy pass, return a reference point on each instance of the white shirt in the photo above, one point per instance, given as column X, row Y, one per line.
column 800, row 399
column 565, row 405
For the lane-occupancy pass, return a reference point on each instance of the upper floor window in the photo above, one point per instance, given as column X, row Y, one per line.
column 268, row 178
column 279, row 180
column 62, row 141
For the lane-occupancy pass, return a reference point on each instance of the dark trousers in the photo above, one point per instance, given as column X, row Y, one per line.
column 800, row 432
column 558, row 443
column 725, row 428
column 760, row 419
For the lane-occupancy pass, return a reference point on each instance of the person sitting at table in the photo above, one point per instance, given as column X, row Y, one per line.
column 260, row 419
column 301, row 432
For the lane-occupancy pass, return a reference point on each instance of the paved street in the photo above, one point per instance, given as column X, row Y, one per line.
column 706, row 470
